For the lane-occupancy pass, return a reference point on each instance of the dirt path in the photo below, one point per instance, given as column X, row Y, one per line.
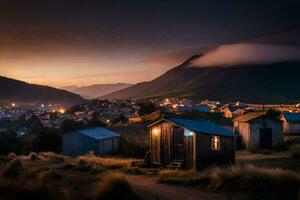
column 148, row 189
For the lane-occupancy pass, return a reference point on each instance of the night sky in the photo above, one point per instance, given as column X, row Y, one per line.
column 85, row 42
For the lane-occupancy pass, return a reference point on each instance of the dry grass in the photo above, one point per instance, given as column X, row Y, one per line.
column 295, row 152
column 134, row 171
column 52, row 156
column 265, row 183
column 14, row 190
column 11, row 156
column 33, row 156
column 52, row 176
column 107, row 162
column 114, row 186
column 13, row 169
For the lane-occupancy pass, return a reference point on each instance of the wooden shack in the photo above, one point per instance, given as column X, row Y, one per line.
column 232, row 111
column 100, row 141
column 291, row 123
column 255, row 130
column 192, row 143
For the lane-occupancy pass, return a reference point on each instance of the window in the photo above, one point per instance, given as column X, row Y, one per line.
column 215, row 143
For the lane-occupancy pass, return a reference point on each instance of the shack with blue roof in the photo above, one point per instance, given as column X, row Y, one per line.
column 99, row 140
column 291, row 123
column 190, row 143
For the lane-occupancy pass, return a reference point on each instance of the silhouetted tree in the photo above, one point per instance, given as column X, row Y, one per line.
column 273, row 114
column 10, row 142
column 146, row 108
column 121, row 119
column 34, row 125
column 70, row 125
column 48, row 139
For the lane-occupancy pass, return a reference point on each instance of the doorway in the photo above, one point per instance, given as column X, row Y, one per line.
column 265, row 138
column 178, row 144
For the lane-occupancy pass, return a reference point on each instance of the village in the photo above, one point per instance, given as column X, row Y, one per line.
column 171, row 140
column 245, row 126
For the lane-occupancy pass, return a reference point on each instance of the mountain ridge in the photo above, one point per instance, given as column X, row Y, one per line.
column 13, row 90
column 96, row 90
column 251, row 83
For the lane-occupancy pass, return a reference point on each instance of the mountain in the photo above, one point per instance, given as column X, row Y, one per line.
column 268, row 82
column 70, row 88
column 286, row 38
column 97, row 90
column 21, row 92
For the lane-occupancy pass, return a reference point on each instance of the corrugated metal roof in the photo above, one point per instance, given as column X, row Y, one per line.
column 201, row 126
column 249, row 116
column 292, row 117
column 232, row 108
column 98, row 133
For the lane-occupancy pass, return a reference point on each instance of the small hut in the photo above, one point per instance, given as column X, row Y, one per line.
column 256, row 130
column 232, row 111
column 291, row 123
column 190, row 143
column 100, row 141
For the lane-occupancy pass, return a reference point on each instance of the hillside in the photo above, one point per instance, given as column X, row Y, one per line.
column 22, row 92
column 97, row 90
column 276, row 83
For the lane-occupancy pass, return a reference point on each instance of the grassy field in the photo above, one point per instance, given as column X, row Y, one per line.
column 52, row 176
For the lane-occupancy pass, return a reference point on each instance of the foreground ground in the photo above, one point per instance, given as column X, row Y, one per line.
column 256, row 175
column 148, row 188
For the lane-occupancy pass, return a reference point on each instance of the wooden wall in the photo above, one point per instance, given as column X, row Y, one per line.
column 155, row 144
column 291, row 128
column 250, row 132
column 243, row 129
column 189, row 151
column 205, row 156
column 277, row 132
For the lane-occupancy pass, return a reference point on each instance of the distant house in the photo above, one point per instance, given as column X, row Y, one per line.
column 99, row 140
column 190, row 142
column 232, row 111
column 201, row 108
column 255, row 130
column 135, row 119
column 291, row 123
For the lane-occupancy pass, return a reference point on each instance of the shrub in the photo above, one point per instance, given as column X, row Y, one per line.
column 52, row 156
column 295, row 152
column 83, row 165
column 11, row 156
column 13, row 169
column 115, row 186
column 33, row 156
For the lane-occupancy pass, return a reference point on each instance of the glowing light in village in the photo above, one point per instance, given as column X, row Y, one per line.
column 61, row 110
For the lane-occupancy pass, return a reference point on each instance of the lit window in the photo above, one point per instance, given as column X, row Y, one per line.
column 215, row 143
